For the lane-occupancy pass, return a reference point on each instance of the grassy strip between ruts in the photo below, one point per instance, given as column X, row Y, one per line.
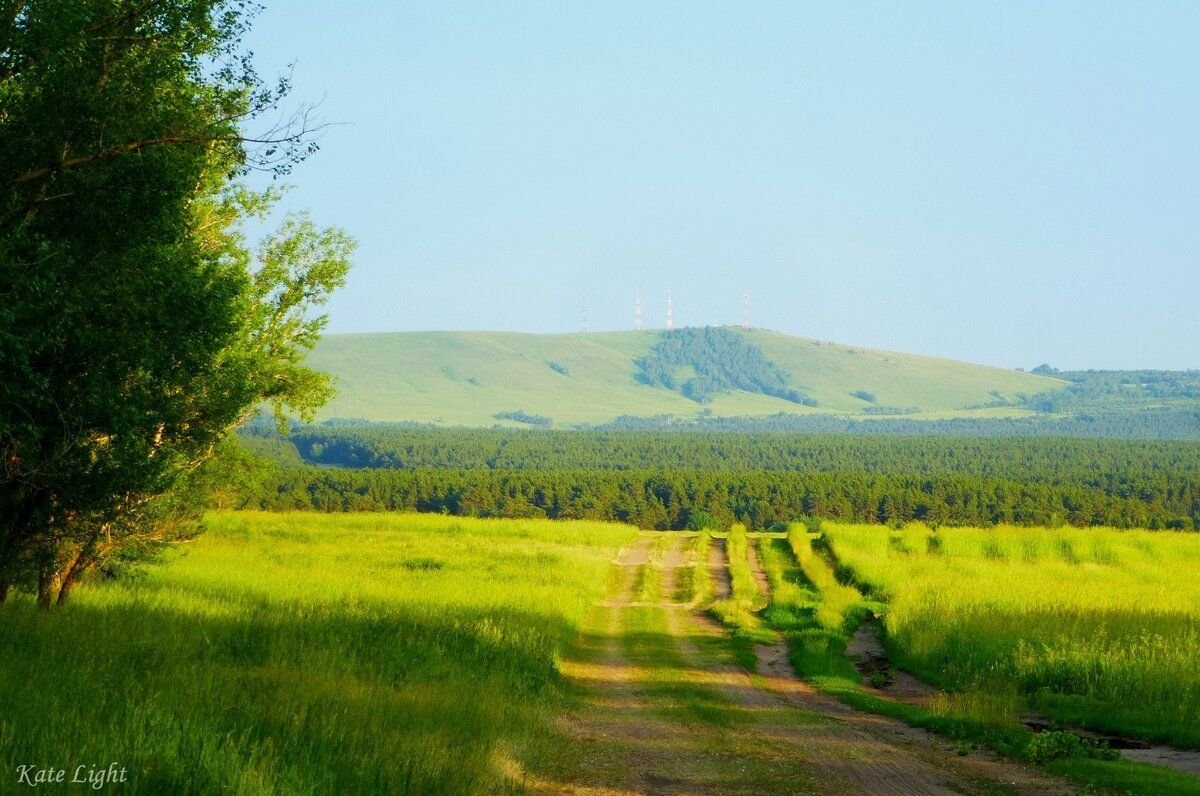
column 818, row 654
column 738, row 612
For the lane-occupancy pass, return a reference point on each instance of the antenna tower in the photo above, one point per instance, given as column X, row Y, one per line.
column 637, row 309
column 583, row 316
column 670, row 314
column 745, row 310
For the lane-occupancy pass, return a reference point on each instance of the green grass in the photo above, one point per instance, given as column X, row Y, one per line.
column 307, row 653
column 817, row 642
column 793, row 597
column 667, row 683
column 1094, row 627
column 739, row 611
column 840, row 606
column 465, row 378
column 693, row 582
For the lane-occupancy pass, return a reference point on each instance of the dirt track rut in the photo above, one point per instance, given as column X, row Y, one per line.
column 777, row 734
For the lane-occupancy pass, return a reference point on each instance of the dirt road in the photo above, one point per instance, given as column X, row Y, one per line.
column 665, row 710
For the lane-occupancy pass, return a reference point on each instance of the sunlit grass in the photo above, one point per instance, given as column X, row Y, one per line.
column 738, row 610
column 838, row 602
column 307, row 653
column 1095, row 626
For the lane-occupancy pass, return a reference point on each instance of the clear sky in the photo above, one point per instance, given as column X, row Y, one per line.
column 1005, row 182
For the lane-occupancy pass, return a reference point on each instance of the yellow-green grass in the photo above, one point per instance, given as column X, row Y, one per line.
column 738, row 610
column 466, row 378
column 647, row 585
column 793, row 597
column 817, row 651
column 306, row 653
column 839, row 604
column 695, row 582
column 1095, row 627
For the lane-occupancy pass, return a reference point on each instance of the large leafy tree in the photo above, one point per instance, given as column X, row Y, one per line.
column 137, row 326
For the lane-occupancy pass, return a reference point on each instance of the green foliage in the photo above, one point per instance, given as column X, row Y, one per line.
column 137, row 325
column 718, row 360
column 661, row 480
column 696, row 585
column 1095, row 391
column 745, row 599
column 1060, row 745
column 521, row 416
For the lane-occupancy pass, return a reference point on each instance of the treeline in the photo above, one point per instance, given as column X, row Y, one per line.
column 1082, row 461
column 1167, row 424
column 1112, row 390
column 667, row 480
column 692, row 499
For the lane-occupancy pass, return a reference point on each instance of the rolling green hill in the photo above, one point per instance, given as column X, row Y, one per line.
column 468, row 378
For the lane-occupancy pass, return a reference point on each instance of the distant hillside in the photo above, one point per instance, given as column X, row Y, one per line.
column 566, row 380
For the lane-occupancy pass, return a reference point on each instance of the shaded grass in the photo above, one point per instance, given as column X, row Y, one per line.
column 647, row 643
column 305, row 653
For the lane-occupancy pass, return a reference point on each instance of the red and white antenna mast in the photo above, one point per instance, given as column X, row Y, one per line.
column 670, row 313
column 745, row 310
column 637, row 309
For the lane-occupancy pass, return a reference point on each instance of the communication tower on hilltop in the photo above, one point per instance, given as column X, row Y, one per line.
column 745, row 310
column 670, row 313
column 637, row 309
column 583, row 315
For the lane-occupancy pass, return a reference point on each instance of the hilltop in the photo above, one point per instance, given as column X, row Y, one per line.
column 512, row 379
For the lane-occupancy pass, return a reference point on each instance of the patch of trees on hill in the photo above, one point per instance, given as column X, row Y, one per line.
column 716, row 360
column 521, row 416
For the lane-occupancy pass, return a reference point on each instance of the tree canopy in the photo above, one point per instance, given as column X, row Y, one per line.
column 137, row 324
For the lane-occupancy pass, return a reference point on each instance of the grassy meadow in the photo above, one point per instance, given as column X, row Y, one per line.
column 1094, row 627
column 302, row 653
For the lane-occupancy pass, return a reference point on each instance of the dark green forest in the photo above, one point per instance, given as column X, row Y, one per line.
column 680, row 480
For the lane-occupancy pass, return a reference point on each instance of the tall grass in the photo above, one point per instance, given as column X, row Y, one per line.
column 307, row 653
column 695, row 583
column 745, row 598
column 793, row 598
column 839, row 602
column 1096, row 626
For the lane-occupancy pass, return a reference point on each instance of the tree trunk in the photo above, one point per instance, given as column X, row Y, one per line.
column 45, row 598
column 78, row 567
column 3, row 589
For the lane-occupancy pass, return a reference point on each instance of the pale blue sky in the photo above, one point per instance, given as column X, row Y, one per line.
column 1008, row 183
